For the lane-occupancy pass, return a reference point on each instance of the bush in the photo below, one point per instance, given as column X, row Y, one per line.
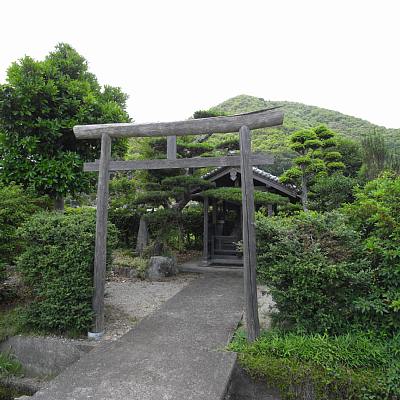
column 352, row 366
column 16, row 206
column 314, row 268
column 123, row 211
column 177, row 230
column 376, row 214
column 331, row 192
column 57, row 265
column 124, row 258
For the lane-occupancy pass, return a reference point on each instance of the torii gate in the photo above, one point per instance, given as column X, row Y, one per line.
column 242, row 123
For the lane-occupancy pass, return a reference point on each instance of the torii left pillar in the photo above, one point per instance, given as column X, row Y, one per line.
column 100, row 256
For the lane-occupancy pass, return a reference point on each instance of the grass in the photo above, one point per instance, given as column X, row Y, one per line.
column 9, row 366
column 11, row 322
column 351, row 366
column 125, row 258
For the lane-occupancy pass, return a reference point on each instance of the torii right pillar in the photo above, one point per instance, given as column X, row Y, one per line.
column 249, row 236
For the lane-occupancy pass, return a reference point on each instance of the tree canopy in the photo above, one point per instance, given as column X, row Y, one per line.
column 39, row 104
column 316, row 156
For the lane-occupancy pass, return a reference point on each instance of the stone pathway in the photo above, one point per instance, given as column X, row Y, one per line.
column 174, row 354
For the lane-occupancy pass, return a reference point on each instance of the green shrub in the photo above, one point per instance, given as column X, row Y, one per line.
column 177, row 230
column 125, row 258
column 123, row 210
column 314, row 268
column 331, row 192
column 11, row 322
column 16, row 206
column 57, row 265
column 352, row 366
column 376, row 214
column 2, row 272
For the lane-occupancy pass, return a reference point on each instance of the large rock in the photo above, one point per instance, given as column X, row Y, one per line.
column 161, row 267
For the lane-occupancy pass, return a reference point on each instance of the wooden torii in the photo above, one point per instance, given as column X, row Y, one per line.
column 224, row 124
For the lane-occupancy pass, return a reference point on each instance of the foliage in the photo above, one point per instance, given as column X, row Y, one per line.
column 177, row 230
column 39, row 105
column 11, row 322
column 376, row 214
column 333, row 271
column 16, row 206
column 331, row 192
column 57, row 265
column 207, row 114
column 235, row 195
column 8, row 366
column 352, row 366
column 315, row 158
column 351, row 152
column 126, row 259
column 123, row 211
column 377, row 157
column 315, row 270
column 192, row 227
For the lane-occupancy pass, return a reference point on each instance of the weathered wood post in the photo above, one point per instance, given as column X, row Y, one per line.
column 100, row 257
column 249, row 236
column 205, row 231
column 171, row 147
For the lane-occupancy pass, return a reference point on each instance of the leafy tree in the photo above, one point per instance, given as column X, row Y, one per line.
column 39, row 104
column 331, row 192
column 377, row 157
column 352, row 156
column 315, row 157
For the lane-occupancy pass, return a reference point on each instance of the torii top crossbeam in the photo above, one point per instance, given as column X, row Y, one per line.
column 202, row 126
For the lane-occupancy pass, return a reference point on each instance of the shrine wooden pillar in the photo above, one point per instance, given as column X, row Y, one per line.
column 249, row 236
column 205, row 231
column 100, row 256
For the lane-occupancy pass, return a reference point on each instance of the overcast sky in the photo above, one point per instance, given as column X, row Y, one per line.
column 175, row 57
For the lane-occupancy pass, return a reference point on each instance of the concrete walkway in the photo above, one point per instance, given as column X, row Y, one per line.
column 176, row 353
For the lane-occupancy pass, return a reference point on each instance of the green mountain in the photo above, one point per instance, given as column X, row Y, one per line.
column 297, row 116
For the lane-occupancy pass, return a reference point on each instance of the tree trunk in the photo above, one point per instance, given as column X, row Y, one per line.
column 304, row 191
column 142, row 236
column 59, row 203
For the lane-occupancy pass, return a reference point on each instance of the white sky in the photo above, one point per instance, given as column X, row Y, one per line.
column 175, row 57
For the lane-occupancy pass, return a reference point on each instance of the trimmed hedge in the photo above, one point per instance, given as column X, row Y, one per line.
column 57, row 265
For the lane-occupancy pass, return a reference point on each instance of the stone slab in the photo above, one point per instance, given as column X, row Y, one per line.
column 177, row 353
column 43, row 356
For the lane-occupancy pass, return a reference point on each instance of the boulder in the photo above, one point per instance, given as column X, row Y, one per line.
column 161, row 267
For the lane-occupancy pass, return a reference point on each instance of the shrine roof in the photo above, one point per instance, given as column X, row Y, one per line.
column 259, row 174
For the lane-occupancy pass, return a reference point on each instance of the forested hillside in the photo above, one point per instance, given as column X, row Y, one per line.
column 297, row 115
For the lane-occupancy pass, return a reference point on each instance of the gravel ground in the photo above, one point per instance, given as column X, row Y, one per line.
column 127, row 301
